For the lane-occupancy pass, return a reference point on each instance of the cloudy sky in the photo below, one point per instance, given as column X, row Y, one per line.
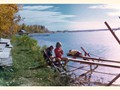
column 71, row 16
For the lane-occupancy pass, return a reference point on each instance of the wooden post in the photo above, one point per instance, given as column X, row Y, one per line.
column 85, row 52
column 113, row 80
column 112, row 32
column 88, row 56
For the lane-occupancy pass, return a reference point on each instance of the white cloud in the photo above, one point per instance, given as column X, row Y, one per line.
column 94, row 24
column 114, row 7
column 88, row 25
column 40, row 7
column 114, row 13
column 44, row 16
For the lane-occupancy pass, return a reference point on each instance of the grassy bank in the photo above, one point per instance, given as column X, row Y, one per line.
column 27, row 56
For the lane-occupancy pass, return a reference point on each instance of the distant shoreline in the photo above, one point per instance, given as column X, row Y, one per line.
column 93, row 30
column 38, row 34
column 64, row 31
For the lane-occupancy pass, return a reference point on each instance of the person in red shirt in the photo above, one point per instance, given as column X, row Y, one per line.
column 59, row 52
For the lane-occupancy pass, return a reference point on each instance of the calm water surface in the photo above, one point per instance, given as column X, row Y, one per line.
column 98, row 44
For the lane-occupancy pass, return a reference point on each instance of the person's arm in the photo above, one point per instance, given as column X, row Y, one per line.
column 62, row 52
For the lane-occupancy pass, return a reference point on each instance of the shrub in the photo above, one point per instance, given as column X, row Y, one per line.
column 27, row 51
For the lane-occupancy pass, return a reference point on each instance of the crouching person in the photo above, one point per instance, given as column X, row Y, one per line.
column 49, row 52
column 48, row 55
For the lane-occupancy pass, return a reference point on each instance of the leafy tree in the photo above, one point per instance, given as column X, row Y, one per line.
column 9, row 19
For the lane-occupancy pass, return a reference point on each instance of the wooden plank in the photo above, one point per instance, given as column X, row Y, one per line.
column 7, row 50
column 111, row 82
column 6, row 61
column 2, row 46
column 1, row 42
column 4, row 55
column 112, row 32
column 99, row 59
column 94, row 63
column 6, row 41
column 85, row 52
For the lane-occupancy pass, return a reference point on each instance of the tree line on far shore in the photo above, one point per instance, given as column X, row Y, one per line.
column 33, row 28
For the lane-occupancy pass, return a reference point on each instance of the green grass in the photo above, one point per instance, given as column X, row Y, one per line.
column 27, row 54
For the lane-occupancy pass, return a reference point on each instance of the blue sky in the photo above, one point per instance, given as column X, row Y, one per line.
column 71, row 16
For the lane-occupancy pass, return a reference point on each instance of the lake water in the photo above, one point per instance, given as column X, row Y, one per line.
column 98, row 44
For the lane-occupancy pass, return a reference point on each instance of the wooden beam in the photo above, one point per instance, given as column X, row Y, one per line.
column 94, row 63
column 113, row 80
column 112, row 32
column 99, row 59
column 88, row 59
column 85, row 52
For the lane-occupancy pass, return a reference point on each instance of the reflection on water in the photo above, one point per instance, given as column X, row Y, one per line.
column 101, row 44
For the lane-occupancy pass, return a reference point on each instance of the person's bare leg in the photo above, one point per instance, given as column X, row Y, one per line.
column 65, row 60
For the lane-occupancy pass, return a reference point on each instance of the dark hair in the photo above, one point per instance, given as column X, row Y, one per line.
column 51, row 47
column 58, row 44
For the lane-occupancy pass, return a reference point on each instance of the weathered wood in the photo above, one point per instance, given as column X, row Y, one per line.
column 85, row 75
column 113, row 80
column 100, row 72
column 87, row 54
column 94, row 63
column 6, row 61
column 4, row 55
column 77, row 68
column 112, row 32
column 5, row 52
column 6, row 41
column 2, row 46
column 85, row 51
column 90, row 70
column 84, row 57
